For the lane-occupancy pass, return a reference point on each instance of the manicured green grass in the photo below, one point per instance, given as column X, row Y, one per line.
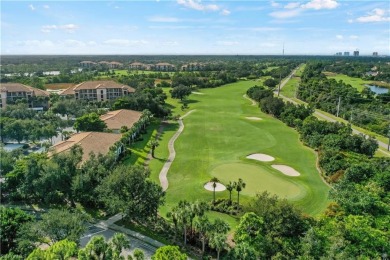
column 270, row 180
column 354, row 82
column 290, row 88
column 217, row 133
column 140, row 149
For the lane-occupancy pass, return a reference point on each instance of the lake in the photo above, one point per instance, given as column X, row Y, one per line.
column 377, row 89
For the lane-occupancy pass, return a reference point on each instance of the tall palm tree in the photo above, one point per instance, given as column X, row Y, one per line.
column 240, row 185
column 230, row 187
column 218, row 242
column 154, row 144
column 203, row 226
column 120, row 241
column 197, row 208
column 214, row 180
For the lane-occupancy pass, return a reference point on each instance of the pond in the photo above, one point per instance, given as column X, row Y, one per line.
column 377, row 89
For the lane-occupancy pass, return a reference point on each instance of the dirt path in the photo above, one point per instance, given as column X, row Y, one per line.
column 172, row 153
column 251, row 100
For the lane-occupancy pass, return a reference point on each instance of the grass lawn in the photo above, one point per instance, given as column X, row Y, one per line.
column 354, row 82
column 217, row 137
column 289, row 89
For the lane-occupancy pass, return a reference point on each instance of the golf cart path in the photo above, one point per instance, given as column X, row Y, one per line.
column 172, row 153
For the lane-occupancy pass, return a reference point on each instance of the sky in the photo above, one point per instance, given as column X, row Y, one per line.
column 308, row 27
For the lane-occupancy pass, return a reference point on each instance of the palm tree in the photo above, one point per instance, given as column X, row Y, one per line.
column 218, row 242
column 203, row 226
column 214, row 180
column 197, row 208
column 230, row 187
column 120, row 241
column 154, row 144
column 240, row 185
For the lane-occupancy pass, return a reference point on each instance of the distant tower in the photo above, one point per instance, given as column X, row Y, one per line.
column 356, row 53
column 375, row 54
column 346, row 53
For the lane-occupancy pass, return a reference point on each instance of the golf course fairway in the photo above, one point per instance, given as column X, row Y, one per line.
column 216, row 140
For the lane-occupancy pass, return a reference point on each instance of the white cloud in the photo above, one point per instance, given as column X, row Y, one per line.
column 339, row 37
column 170, row 43
column 292, row 5
column 225, row 12
column 354, row 37
column 264, row 29
column 376, row 15
column 197, row 5
column 125, row 42
column 36, row 43
column 46, row 7
column 321, row 4
column 227, row 43
column 163, row 19
column 31, row 7
column 274, row 4
column 69, row 28
column 285, row 14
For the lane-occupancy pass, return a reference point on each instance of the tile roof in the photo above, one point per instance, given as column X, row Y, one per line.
column 96, row 142
column 97, row 84
column 118, row 118
column 18, row 87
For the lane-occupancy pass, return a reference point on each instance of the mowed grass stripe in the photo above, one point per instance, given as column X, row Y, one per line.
column 217, row 133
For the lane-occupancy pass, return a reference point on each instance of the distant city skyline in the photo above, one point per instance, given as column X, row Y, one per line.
column 311, row 27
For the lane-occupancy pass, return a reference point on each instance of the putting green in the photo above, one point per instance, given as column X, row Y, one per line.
column 258, row 179
column 218, row 134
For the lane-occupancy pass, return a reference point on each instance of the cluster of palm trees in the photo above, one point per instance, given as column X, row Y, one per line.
column 238, row 186
column 191, row 219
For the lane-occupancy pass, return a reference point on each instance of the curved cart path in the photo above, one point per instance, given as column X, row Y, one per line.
column 172, row 153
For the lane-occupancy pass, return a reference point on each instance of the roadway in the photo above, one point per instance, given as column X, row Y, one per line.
column 320, row 114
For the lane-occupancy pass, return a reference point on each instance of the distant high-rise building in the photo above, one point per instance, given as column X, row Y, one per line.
column 375, row 54
column 339, row 53
column 356, row 53
column 346, row 53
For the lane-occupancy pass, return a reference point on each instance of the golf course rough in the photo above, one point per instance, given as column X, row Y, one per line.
column 216, row 140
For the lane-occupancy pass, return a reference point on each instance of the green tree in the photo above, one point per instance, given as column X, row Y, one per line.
column 11, row 221
column 169, row 253
column 138, row 254
column 17, row 130
column 250, row 230
column 240, row 185
column 243, row 251
column 119, row 241
column 90, row 122
column 180, row 92
column 203, row 226
column 56, row 225
column 218, row 242
column 62, row 250
column 153, row 145
column 214, row 182
column 230, row 187
column 128, row 190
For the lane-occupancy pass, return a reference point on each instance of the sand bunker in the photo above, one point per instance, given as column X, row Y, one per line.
column 287, row 170
column 261, row 157
column 197, row 93
column 219, row 187
column 253, row 118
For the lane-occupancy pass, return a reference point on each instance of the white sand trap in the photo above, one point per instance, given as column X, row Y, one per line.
column 197, row 93
column 261, row 157
column 253, row 118
column 219, row 187
column 287, row 170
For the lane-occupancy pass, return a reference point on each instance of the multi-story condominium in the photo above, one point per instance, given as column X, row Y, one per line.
column 163, row 66
column 37, row 99
column 87, row 64
column 100, row 90
column 138, row 66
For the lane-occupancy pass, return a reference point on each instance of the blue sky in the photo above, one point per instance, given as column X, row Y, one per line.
column 195, row 27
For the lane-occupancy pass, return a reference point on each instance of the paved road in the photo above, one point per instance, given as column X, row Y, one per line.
column 108, row 228
column 172, row 153
column 319, row 113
